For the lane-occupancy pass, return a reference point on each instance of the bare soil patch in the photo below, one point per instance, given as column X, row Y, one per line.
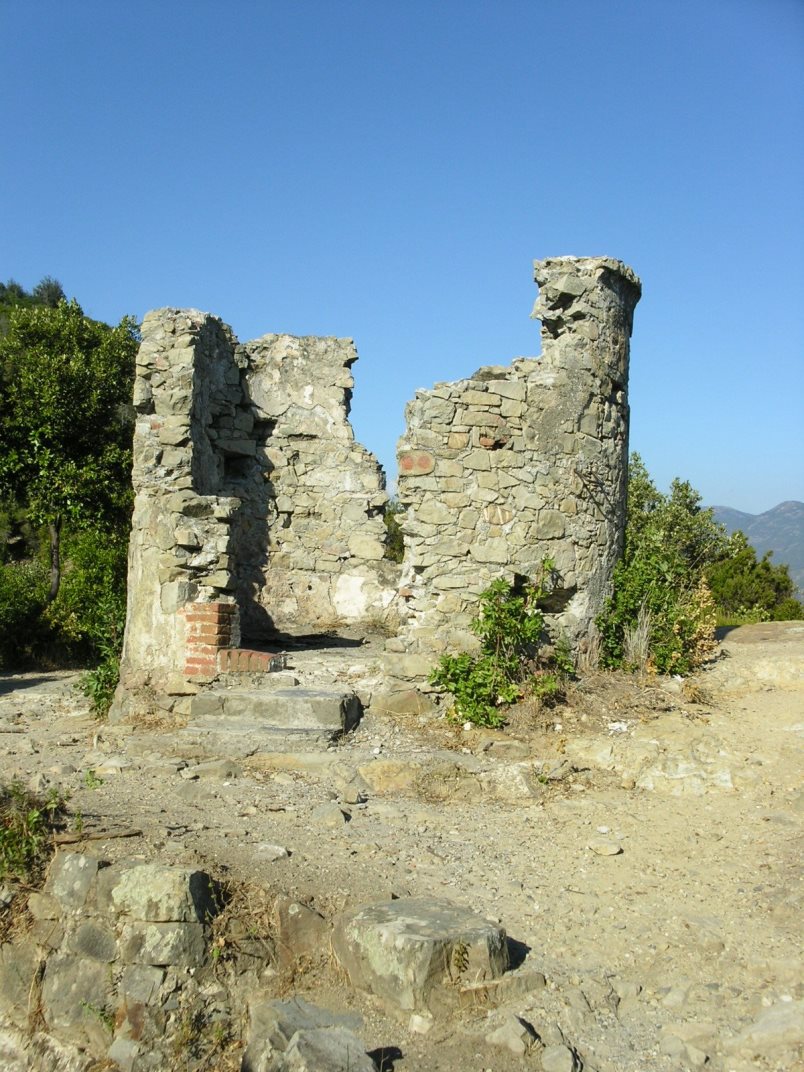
column 682, row 943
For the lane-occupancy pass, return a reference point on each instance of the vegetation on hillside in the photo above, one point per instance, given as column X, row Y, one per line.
column 679, row 574
column 65, row 477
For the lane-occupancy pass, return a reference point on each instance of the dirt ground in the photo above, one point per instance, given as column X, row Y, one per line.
column 641, row 846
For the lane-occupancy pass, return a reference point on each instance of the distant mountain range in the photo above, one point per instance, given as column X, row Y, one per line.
column 780, row 530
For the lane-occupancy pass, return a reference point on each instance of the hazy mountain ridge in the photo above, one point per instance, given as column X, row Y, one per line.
column 780, row 530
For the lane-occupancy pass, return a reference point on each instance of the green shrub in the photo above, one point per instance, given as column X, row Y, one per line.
column 27, row 822
column 23, row 589
column 99, row 685
column 90, row 610
column 678, row 619
column 749, row 589
column 86, row 620
column 510, row 625
column 789, row 610
column 661, row 615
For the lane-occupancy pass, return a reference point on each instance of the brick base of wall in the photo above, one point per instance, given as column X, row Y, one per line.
column 234, row 660
column 210, row 628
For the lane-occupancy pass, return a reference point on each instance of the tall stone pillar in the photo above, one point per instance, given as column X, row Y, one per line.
column 192, row 422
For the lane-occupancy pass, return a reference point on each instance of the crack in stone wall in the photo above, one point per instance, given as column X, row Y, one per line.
column 257, row 513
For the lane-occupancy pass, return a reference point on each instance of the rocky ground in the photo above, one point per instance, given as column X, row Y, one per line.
column 639, row 845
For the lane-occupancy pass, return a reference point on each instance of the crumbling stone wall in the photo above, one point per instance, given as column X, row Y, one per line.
column 517, row 463
column 255, row 510
column 326, row 546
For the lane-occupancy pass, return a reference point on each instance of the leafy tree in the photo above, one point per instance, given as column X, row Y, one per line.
column 659, row 592
column 11, row 293
column 678, row 573
column 48, row 291
column 750, row 588
column 65, row 445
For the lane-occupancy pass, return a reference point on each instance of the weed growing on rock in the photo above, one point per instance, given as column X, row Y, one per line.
column 27, row 821
column 103, row 1015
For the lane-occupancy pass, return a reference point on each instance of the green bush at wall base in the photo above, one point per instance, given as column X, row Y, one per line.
column 510, row 626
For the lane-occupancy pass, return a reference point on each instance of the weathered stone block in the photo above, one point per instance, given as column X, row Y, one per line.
column 331, row 711
column 434, row 513
column 473, row 397
column 300, row 931
column 77, row 997
column 140, row 983
column 492, row 422
column 477, row 459
column 163, row 944
column 409, row 666
column 19, row 964
column 497, row 515
column 70, row 879
column 330, row 1049
column 43, row 906
column 551, row 525
column 368, row 547
column 93, row 941
column 158, row 893
column 512, row 389
column 275, row 1025
column 411, row 953
column 491, row 550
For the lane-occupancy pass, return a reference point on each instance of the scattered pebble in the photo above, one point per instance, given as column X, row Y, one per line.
column 603, row 846
column 269, row 852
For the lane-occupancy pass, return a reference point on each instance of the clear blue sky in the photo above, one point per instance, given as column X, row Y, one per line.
column 388, row 171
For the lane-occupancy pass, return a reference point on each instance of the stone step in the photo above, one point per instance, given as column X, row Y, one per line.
column 245, row 721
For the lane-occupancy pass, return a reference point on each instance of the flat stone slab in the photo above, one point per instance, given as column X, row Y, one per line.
column 295, row 708
column 245, row 721
column 414, row 954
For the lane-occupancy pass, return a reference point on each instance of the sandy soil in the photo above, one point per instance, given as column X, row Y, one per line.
column 680, row 949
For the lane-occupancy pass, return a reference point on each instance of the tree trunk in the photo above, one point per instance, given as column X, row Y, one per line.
column 54, row 528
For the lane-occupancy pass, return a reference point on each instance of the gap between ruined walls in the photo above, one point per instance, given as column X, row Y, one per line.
column 258, row 515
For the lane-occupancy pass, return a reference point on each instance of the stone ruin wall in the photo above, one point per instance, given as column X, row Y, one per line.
column 256, row 511
column 518, row 463
column 326, row 548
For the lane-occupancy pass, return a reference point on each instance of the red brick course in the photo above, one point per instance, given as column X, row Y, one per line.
column 208, row 644
column 234, row 660
column 209, row 628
